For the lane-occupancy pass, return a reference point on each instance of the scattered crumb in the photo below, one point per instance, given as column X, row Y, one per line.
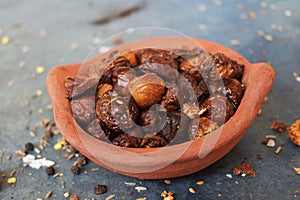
column 228, row 175
column 192, row 190
column 12, row 180
column 167, row 181
column 271, row 143
column 112, row 196
column 288, row 13
column 140, row 188
column 297, row 169
column 48, row 195
column 278, row 126
column 200, row 182
column 269, row 37
column 294, row 132
column 252, row 15
column 278, row 149
column 259, row 156
column 244, row 168
column 40, row 69
column 116, row 40
column 167, row 195
column 130, row 183
column 235, row 42
column 5, row 40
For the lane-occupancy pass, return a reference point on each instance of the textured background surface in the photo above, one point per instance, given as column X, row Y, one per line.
column 51, row 33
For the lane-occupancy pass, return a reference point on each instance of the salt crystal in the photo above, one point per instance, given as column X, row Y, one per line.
column 229, row 175
column 37, row 163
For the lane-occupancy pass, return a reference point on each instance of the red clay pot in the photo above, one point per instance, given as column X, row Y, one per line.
column 170, row 161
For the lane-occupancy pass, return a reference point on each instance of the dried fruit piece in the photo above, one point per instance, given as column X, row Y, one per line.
column 29, row 146
column 130, row 55
column 147, row 90
column 100, row 189
column 294, row 132
column 75, row 169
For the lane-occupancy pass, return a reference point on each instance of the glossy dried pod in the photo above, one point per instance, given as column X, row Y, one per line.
column 147, row 90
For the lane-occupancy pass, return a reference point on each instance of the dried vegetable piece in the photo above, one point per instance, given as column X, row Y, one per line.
column 294, row 132
column 244, row 168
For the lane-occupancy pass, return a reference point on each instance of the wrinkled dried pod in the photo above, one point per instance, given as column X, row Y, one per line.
column 125, row 140
column 83, row 109
column 130, row 56
column 152, row 120
column 95, row 130
column 233, row 89
column 228, row 68
column 200, row 127
column 78, row 86
column 117, row 113
column 171, row 125
column 218, row 108
column 147, row 90
column 170, row 100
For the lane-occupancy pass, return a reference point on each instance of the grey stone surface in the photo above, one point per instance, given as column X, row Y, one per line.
column 71, row 22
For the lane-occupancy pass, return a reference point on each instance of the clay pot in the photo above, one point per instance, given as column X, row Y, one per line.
column 170, row 161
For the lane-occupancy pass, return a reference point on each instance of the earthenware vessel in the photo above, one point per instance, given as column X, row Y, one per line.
column 170, row 161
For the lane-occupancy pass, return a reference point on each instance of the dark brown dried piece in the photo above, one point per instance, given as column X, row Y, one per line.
column 29, row 146
column 153, row 141
column 117, row 113
column 125, row 140
column 77, row 86
column 50, row 171
column 163, row 70
column 75, row 170
column 158, row 56
column 228, row 68
column 121, row 77
column 83, row 109
column 100, row 189
column 219, row 109
column 152, row 120
column 81, row 161
column 170, row 100
column 187, row 68
column 95, row 130
column 171, row 125
column 244, row 168
column 201, row 126
column 106, row 77
column 232, row 89
column 278, row 126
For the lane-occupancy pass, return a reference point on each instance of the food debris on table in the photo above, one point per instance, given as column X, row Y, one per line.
column 167, row 195
column 245, row 168
column 278, row 126
column 294, row 132
column 100, row 189
column 37, row 163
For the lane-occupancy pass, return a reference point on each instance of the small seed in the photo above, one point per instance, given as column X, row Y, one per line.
column 12, row 180
column 297, row 169
column 48, row 195
column 140, row 188
column 112, row 196
column 13, row 172
column 167, row 181
column 5, row 40
column 271, row 136
column 200, row 182
column 94, row 169
column 40, row 69
column 278, row 149
column 192, row 190
column 57, row 146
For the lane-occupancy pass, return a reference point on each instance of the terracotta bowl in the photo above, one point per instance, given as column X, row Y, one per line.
column 170, row 161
